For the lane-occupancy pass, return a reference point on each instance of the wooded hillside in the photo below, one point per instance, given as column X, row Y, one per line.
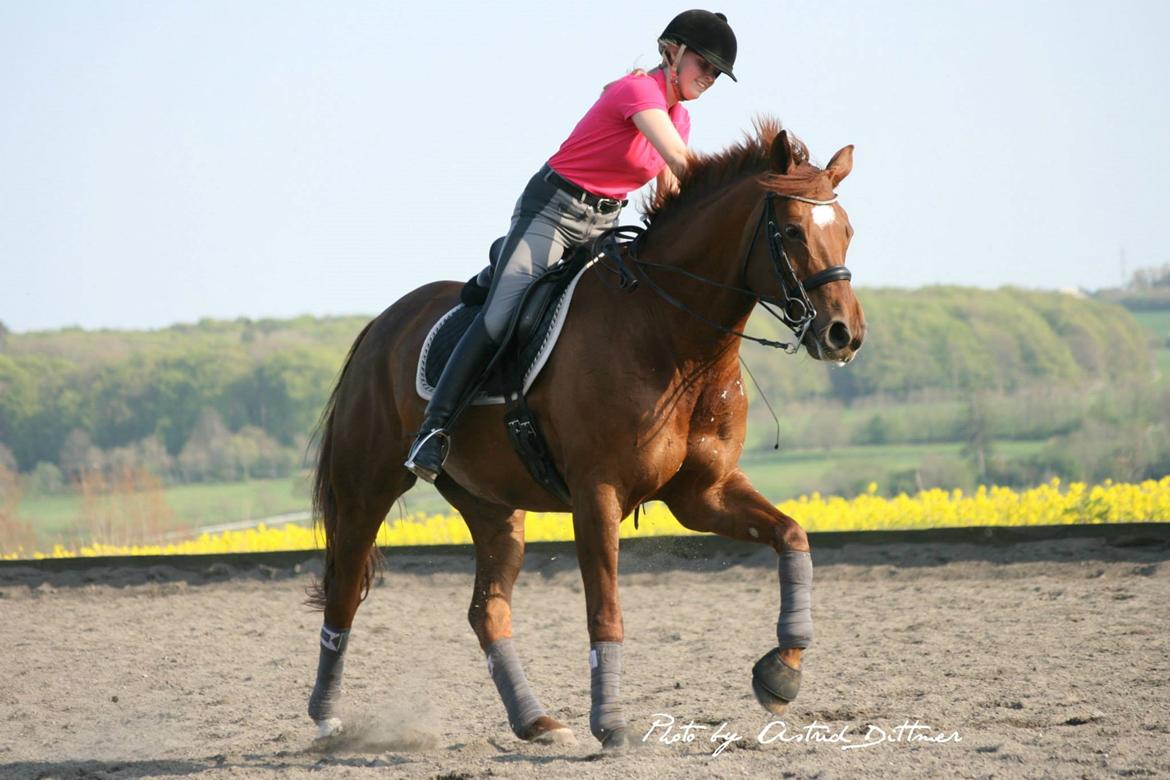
column 258, row 386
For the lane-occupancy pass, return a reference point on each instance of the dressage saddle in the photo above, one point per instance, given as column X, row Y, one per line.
column 539, row 297
column 525, row 345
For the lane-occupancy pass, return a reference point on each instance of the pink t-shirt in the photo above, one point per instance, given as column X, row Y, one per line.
column 605, row 153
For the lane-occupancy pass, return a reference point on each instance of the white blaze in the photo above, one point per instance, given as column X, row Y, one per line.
column 823, row 215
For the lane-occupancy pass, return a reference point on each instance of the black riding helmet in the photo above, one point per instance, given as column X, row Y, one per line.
column 707, row 34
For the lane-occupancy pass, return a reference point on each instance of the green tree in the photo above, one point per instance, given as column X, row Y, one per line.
column 7, row 459
column 977, row 444
column 79, row 456
column 206, row 454
column 46, row 479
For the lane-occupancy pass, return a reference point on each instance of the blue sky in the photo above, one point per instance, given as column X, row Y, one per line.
column 163, row 162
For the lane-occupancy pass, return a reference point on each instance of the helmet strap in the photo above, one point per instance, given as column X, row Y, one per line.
column 673, row 73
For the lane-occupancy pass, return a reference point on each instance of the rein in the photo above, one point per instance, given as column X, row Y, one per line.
column 796, row 311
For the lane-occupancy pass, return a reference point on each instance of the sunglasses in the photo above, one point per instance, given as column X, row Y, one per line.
column 707, row 68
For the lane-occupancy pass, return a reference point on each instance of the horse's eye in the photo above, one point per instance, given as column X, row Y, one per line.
column 793, row 232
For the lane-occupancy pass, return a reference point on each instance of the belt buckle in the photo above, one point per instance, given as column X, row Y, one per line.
column 608, row 205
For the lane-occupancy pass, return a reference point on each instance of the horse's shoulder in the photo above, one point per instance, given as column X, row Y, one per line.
column 722, row 385
column 720, row 411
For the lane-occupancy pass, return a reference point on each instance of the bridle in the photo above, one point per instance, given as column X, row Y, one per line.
column 795, row 309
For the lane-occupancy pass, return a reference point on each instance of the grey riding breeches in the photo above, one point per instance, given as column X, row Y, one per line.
column 546, row 222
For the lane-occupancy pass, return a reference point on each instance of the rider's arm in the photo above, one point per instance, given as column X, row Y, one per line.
column 655, row 124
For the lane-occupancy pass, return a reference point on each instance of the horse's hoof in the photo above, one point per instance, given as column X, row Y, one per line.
column 327, row 727
column 774, row 682
column 767, row 700
column 616, row 741
column 549, row 731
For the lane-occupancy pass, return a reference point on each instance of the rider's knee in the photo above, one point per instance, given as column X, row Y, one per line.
column 495, row 322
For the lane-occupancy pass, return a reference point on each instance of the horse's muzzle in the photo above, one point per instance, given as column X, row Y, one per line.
column 837, row 342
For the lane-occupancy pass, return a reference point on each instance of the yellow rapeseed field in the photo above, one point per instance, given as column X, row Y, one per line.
column 1050, row 504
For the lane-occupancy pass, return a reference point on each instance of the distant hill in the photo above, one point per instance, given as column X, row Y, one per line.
column 121, row 387
column 964, row 339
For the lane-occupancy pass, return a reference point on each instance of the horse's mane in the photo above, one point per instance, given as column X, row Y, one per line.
column 750, row 157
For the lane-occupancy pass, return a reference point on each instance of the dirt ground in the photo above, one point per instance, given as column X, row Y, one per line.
column 1046, row 659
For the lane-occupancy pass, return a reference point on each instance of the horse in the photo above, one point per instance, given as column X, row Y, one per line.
column 666, row 416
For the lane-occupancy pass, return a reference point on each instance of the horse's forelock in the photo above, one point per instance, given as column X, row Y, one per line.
column 805, row 180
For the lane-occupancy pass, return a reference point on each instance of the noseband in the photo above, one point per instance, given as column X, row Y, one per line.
column 796, row 311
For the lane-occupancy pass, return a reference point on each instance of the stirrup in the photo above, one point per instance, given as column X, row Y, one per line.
column 430, row 470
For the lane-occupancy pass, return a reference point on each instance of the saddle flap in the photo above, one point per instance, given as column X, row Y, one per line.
column 532, row 311
column 528, row 342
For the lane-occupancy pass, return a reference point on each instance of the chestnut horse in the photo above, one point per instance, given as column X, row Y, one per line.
column 642, row 399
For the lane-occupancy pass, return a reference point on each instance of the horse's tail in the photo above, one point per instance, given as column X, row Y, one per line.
column 325, row 515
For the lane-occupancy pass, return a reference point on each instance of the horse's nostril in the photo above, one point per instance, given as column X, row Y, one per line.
column 839, row 336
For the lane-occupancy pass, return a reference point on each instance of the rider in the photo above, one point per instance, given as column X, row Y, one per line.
column 636, row 131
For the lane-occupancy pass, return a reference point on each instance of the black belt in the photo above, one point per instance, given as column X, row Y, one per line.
column 602, row 204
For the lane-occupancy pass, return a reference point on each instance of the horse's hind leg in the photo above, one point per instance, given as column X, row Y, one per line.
column 597, row 516
column 733, row 508
column 357, row 513
column 498, row 533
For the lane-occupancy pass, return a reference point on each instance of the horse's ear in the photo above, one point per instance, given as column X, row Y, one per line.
column 781, row 153
column 841, row 164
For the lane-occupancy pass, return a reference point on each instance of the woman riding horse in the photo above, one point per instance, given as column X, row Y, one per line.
column 636, row 131
column 757, row 225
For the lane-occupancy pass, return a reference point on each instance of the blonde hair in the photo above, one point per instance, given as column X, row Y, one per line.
column 663, row 45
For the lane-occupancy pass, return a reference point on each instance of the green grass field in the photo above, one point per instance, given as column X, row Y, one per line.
column 778, row 475
column 190, row 506
column 1157, row 322
column 782, row 475
column 1162, row 364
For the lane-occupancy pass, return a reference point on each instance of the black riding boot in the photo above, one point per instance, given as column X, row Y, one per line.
column 469, row 359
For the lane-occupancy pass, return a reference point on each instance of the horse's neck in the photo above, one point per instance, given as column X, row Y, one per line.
column 710, row 240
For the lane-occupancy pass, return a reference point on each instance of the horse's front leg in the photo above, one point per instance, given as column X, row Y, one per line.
column 597, row 516
column 734, row 509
